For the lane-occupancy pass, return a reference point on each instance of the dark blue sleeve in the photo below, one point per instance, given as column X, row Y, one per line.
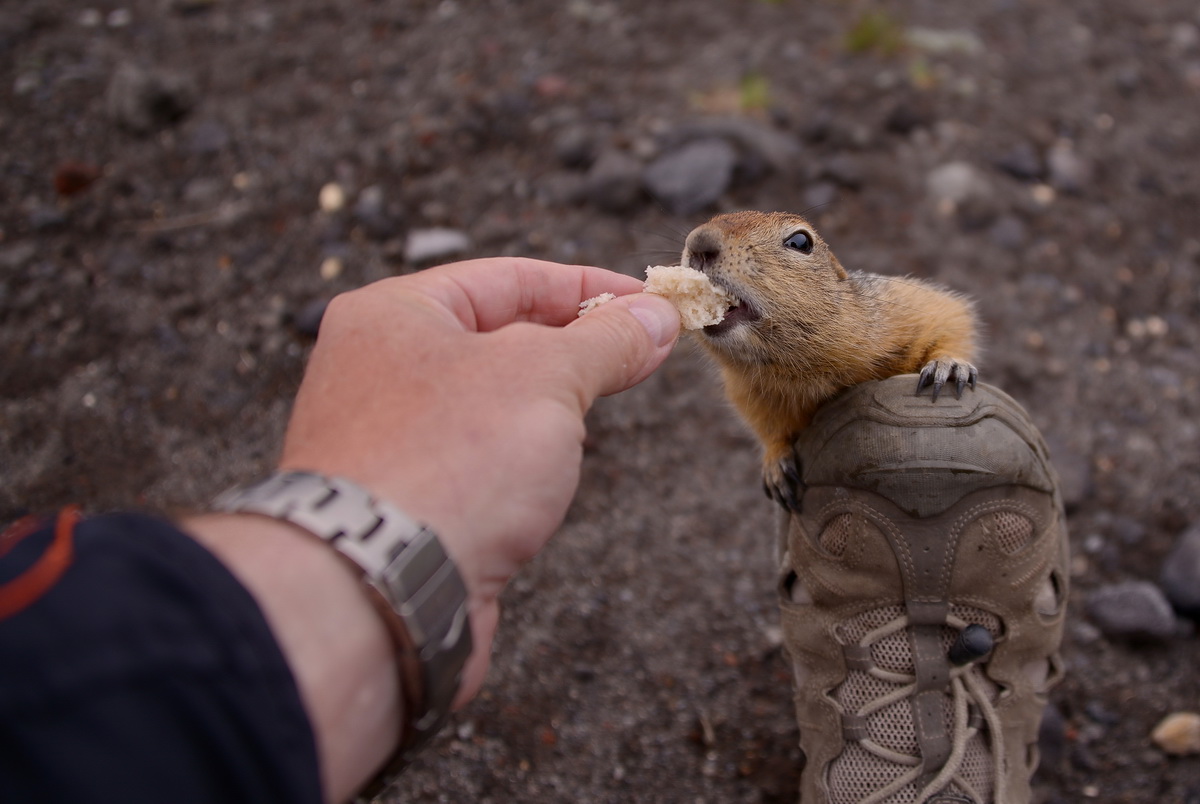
column 135, row 668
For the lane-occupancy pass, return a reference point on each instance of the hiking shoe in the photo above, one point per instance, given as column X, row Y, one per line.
column 923, row 594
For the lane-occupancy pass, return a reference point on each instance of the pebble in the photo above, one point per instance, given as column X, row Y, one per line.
column 331, row 198
column 575, row 146
column 1178, row 733
column 143, row 101
column 820, row 194
column 1068, row 171
column 1009, row 232
column 1180, row 576
column 779, row 150
column 843, row 170
column 1132, row 610
column 1022, row 162
column 18, row 254
column 331, row 268
column 693, row 177
column 370, row 212
column 208, row 137
column 428, row 245
column 954, row 183
column 308, row 320
column 614, row 183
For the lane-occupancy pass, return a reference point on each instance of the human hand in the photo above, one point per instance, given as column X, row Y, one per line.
column 459, row 394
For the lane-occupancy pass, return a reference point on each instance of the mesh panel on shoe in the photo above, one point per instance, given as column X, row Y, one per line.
column 857, row 773
column 1011, row 530
column 838, row 532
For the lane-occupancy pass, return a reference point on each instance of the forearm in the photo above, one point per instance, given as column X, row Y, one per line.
column 336, row 643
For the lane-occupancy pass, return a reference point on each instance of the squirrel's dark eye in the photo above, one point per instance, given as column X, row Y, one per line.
column 801, row 241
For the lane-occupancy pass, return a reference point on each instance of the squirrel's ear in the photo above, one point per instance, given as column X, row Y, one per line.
column 837, row 267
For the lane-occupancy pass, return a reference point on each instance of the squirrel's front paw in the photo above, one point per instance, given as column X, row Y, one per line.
column 781, row 480
column 938, row 371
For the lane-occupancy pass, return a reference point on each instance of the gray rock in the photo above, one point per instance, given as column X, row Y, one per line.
column 1074, row 472
column 614, row 184
column 430, row 245
column 1068, row 171
column 954, row 183
column 371, row 213
column 17, row 255
column 208, row 137
column 693, row 177
column 843, row 170
column 1132, row 610
column 308, row 320
column 143, row 101
column 777, row 149
column 575, row 146
column 1022, row 162
column 1009, row 232
column 1180, row 577
column 44, row 217
column 818, row 195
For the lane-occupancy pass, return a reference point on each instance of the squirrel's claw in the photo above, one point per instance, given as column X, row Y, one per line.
column 782, row 483
column 936, row 372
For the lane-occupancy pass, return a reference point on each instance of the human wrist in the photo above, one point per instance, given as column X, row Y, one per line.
column 413, row 585
column 337, row 646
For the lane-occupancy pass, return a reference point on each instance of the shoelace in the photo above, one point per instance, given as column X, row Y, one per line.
column 966, row 688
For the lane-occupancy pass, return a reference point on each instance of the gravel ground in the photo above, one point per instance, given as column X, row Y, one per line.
column 185, row 182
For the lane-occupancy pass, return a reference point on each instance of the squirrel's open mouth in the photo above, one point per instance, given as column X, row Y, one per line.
column 738, row 313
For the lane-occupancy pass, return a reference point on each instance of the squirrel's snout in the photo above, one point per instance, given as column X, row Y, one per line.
column 703, row 247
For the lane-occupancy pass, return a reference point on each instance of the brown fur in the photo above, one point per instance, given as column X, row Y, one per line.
column 821, row 328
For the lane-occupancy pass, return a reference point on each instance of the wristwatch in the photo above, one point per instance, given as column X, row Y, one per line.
column 413, row 583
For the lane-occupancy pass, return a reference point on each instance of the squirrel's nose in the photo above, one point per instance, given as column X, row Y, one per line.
column 703, row 247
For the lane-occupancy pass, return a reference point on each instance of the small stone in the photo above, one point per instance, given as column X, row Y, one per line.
column 331, row 268
column 614, row 183
column 119, row 18
column 758, row 141
column 843, row 170
column 954, row 183
column 17, row 255
column 208, row 137
column 941, row 42
column 1009, row 232
column 1022, row 162
column 693, row 177
column 1135, row 610
column 820, row 194
column 72, row 178
column 44, row 217
column 332, row 197
column 308, row 320
column 370, row 212
column 143, row 101
column 1178, row 733
column 1068, row 171
column 429, row 245
column 575, row 147
column 1180, row 576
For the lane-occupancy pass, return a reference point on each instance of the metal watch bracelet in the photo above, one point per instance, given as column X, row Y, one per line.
column 413, row 583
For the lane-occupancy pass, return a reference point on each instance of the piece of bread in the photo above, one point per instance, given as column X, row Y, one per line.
column 700, row 303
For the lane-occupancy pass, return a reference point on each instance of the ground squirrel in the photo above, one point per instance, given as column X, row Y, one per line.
column 804, row 328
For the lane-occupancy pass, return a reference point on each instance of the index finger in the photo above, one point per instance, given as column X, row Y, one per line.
column 486, row 294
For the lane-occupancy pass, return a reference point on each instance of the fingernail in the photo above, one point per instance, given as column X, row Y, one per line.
column 658, row 317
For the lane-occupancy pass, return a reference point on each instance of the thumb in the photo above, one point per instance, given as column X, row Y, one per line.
column 619, row 344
